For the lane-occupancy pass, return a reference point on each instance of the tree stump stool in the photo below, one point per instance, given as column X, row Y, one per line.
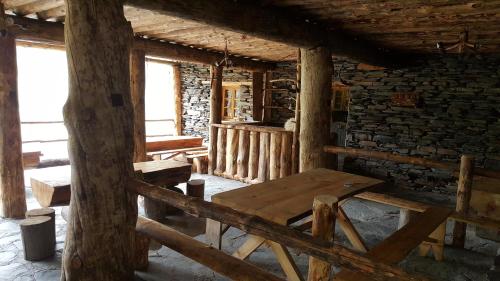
column 49, row 212
column 196, row 188
column 38, row 238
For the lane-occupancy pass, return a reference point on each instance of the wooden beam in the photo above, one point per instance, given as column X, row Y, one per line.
column 27, row 29
column 464, row 192
column 281, row 234
column 101, row 229
column 296, row 129
column 275, row 24
column 215, row 117
column 315, row 97
column 137, row 91
column 257, row 97
column 178, row 99
column 12, row 194
column 218, row 261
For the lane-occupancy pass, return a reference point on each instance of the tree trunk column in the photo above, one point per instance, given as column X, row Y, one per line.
column 315, row 97
column 12, row 195
column 100, row 235
column 138, row 89
column 215, row 114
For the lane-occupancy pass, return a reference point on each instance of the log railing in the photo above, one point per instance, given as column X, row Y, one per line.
column 250, row 153
column 331, row 253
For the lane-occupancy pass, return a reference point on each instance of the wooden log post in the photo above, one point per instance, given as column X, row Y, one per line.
column 296, row 131
column 323, row 226
column 316, row 79
column 196, row 188
column 137, row 91
column 275, row 156
column 405, row 217
column 178, row 99
column 38, row 238
column 286, row 155
column 101, row 226
column 253, row 157
column 242, row 162
column 221, row 151
column 49, row 212
column 215, row 116
column 257, row 95
column 268, row 98
column 464, row 192
column 12, row 194
column 263, row 169
column 231, row 153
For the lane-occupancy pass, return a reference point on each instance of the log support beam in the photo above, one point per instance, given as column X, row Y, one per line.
column 257, row 95
column 464, row 192
column 315, row 97
column 137, row 91
column 12, row 194
column 215, row 116
column 178, row 99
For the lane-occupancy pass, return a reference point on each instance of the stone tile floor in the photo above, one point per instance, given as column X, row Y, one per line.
column 374, row 222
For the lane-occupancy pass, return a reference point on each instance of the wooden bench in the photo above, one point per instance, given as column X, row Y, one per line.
column 172, row 142
column 157, row 155
column 397, row 246
column 31, row 159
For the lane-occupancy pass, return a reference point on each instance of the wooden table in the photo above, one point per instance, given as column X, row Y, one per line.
column 286, row 201
column 51, row 186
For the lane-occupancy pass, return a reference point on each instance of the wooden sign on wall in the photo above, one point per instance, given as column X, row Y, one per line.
column 406, row 99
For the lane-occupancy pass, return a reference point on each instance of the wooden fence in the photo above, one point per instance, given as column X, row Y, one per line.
column 250, row 153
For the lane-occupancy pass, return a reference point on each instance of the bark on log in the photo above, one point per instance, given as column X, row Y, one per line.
column 323, row 226
column 275, row 156
column 296, row 131
column 221, row 151
column 178, row 99
column 49, row 212
column 101, row 227
column 286, row 155
column 12, row 194
column 316, row 79
column 141, row 251
column 231, row 153
column 38, row 238
column 257, row 98
column 253, row 157
column 464, row 192
column 334, row 254
column 263, row 157
column 137, row 91
column 243, row 146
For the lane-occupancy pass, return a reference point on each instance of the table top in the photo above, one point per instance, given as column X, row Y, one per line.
column 289, row 199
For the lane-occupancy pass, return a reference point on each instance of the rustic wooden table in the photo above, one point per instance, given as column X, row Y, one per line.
column 289, row 200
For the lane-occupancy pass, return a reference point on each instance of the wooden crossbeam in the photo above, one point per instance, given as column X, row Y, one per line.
column 395, row 248
column 334, row 254
column 216, row 260
column 52, row 33
column 275, row 24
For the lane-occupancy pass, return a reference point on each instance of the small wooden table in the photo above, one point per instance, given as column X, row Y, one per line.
column 51, row 186
column 286, row 201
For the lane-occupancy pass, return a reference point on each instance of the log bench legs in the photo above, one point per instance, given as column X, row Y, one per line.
column 435, row 243
column 214, row 232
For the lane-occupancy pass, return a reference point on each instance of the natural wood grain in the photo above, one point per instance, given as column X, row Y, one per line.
column 138, row 93
column 464, row 191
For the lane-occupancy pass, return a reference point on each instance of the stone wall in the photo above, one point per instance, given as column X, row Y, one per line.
column 283, row 93
column 195, row 89
column 459, row 114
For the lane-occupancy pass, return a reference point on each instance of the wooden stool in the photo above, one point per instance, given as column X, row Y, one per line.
column 49, row 212
column 196, row 188
column 38, row 238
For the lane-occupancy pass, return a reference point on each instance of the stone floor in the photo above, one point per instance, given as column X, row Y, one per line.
column 374, row 221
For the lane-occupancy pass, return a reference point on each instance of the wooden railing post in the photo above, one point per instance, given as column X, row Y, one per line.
column 286, row 155
column 231, row 153
column 221, row 151
column 463, row 198
column 242, row 162
column 275, row 156
column 212, row 149
column 253, row 157
column 323, row 226
column 263, row 157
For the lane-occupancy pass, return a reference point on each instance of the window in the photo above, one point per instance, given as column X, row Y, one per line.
column 230, row 102
column 159, row 99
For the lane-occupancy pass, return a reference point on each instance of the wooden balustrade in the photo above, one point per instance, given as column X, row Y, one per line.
column 250, row 153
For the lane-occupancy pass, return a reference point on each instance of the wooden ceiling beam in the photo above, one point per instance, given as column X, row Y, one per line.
column 273, row 24
column 52, row 33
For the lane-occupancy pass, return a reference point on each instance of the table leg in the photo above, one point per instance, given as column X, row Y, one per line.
column 436, row 247
column 214, row 233
column 286, row 261
column 252, row 244
column 351, row 232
